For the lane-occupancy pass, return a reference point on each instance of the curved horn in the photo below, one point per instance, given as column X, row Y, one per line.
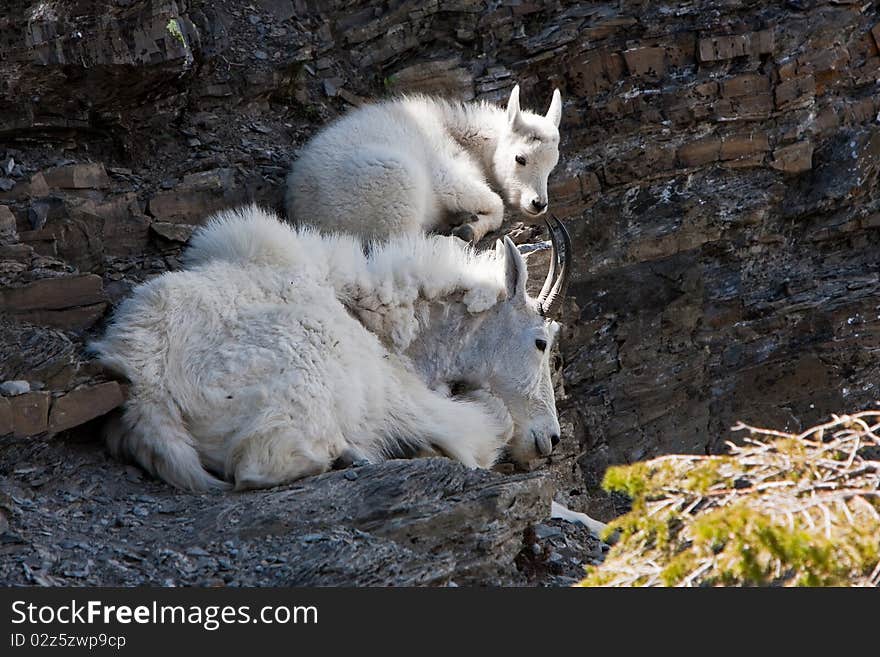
column 551, row 273
column 552, row 304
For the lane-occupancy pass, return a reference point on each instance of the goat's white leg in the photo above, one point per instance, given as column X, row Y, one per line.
column 275, row 456
column 488, row 212
column 562, row 513
column 461, row 189
column 470, row 433
column 471, row 429
column 495, row 424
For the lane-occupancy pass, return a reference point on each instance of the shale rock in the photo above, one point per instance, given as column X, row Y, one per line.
column 419, row 522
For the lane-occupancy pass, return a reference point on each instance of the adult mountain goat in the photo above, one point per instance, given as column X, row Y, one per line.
column 278, row 351
column 411, row 164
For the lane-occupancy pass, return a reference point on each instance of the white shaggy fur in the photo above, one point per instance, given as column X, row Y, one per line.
column 278, row 351
column 415, row 164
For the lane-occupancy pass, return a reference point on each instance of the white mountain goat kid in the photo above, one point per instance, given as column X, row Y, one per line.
column 415, row 163
column 278, row 351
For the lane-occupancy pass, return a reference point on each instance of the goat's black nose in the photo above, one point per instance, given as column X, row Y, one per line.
column 538, row 204
column 554, row 439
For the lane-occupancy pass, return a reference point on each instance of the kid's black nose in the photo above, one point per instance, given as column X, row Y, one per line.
column 554, row 439
column 538, row 204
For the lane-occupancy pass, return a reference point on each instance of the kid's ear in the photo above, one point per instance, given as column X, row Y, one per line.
column 513, row 107
column 555, row 111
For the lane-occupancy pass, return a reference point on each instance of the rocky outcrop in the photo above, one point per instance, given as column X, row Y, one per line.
column 719, row 175
column 402, row 523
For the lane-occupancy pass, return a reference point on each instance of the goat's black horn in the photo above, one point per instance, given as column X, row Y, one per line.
column 551, row 304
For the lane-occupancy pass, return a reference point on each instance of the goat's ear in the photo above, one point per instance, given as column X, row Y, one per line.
column 555, row 111
column 515, row 271
column 513, row 107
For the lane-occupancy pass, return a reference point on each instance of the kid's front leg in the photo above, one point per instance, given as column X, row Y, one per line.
column 485, row 210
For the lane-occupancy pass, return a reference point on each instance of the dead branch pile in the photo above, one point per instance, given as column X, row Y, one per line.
column 781, row 510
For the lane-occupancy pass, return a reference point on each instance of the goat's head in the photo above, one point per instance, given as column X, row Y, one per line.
column 513, row 344
column 526, row 153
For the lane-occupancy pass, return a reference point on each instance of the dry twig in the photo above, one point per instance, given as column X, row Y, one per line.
column 782, row 509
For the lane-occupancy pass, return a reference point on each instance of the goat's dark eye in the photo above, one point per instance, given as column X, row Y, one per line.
column 541, row 344
column 521, row 160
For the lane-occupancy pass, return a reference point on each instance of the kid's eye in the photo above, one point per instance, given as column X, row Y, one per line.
column 521, row 160
column 541, row 344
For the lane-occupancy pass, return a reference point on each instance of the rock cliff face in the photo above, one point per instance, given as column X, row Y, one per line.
column 719, row 175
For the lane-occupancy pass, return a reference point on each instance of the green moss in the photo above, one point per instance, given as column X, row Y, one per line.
column 174, row 30
column 704, row 476
column 631, row 480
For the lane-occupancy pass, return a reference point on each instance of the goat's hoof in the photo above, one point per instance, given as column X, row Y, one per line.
column 350, row 458
column 462, row 217
column 464, row 232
